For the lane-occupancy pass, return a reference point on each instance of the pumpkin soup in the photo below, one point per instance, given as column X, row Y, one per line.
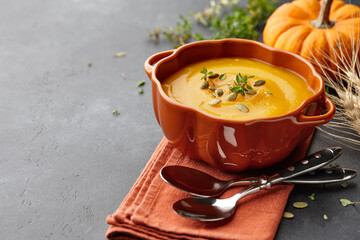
column 237, row 88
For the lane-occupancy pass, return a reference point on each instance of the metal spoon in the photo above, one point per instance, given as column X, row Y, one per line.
column 201, row 184
column 212, row 209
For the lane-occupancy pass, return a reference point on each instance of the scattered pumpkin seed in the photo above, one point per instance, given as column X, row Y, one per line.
column 250, row 92
column 204, row 85
column 214, row 102
column 120, row 54
column 312, row 196
column 288, row 215
column 300, row 204
column 345, row 202
column 213, row 76
column 141, row 83
column 141, row 91
column 269, row 93
column 334, row 165
column 212, row 88
column 89, row 64
column 326, row 217
column 115, row 112
column 222, row 76
column 232, row 96
column 219, row 92
column 242, row 108
column 259, row 82
column 344, row 184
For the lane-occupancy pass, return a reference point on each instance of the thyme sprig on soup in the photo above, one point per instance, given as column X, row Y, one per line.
column 237, row 88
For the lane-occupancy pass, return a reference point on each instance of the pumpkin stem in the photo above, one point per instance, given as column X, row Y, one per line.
column 323, row 19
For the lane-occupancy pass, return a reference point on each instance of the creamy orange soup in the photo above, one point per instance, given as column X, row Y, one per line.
column 282, row 92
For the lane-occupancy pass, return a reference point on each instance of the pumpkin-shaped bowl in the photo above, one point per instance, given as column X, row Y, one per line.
column 228, row 144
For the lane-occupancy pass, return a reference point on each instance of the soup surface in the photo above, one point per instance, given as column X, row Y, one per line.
column 257, row 89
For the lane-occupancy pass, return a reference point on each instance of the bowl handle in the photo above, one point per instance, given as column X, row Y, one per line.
column 319, row 119
column 154, row 59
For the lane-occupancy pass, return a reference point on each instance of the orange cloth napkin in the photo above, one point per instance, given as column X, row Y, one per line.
column 146, row 212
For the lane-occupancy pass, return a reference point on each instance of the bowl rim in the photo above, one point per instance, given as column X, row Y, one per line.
column 175, row 52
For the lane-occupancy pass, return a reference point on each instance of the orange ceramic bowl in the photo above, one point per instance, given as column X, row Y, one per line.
column 227, row 144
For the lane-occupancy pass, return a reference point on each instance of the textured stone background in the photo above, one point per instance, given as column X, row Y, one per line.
column 66, row 162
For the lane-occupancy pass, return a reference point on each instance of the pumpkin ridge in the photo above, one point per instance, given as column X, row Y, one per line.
column 302, row 43
column 342, row 13
column 309, row 11
column 303, row 32
column 279, row 31
column 336, row 6
column 313, row 49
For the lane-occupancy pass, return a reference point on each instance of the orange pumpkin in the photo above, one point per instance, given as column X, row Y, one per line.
column 324, row 30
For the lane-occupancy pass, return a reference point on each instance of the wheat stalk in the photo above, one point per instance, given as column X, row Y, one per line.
column 342, row 75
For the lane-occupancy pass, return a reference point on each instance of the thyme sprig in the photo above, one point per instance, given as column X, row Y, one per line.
column 210, row 75
column 224, row 18
column 241, row 85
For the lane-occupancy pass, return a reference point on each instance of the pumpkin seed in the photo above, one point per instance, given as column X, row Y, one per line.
column 326, row 217
column 288, row 215
column 231, row 96
column 212, row 88
column 120, row 54
column 219, row 92
column 345, row 185
column 300, row 204
column 269, row 93
column 259, row 83
column 250, row 92
column 222, row 76
column 204, row 85
column 213, row 76
column 214, row 102
column 242, row 108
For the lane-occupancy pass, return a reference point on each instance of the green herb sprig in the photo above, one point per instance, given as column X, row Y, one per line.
column 210, row 75
column 224, row 18
column 241, row 85
column 346, row 202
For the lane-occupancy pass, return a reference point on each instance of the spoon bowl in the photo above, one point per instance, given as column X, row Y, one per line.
column 211, row 209
column 199, row 183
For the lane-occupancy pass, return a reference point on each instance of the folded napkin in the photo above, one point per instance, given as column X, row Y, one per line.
column 146, row 212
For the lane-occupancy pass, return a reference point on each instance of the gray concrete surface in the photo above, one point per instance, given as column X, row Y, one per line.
column 66, row 161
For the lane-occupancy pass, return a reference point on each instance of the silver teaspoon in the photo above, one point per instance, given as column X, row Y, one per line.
column 212, row 209
column 201, row 184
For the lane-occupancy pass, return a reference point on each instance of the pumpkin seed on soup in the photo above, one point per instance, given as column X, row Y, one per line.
column 231, row 96
column 213, row 76
column 204, row 85
column 300, row 204
column 219, row 92
column 250, row 92
column 222, row 76
column 242, row 108
column 259, row 83
column 214, row 102
column 212, row 88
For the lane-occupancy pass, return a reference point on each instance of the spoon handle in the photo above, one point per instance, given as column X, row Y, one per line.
column 325, row 175
column 306, row 165
column 311, row 163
